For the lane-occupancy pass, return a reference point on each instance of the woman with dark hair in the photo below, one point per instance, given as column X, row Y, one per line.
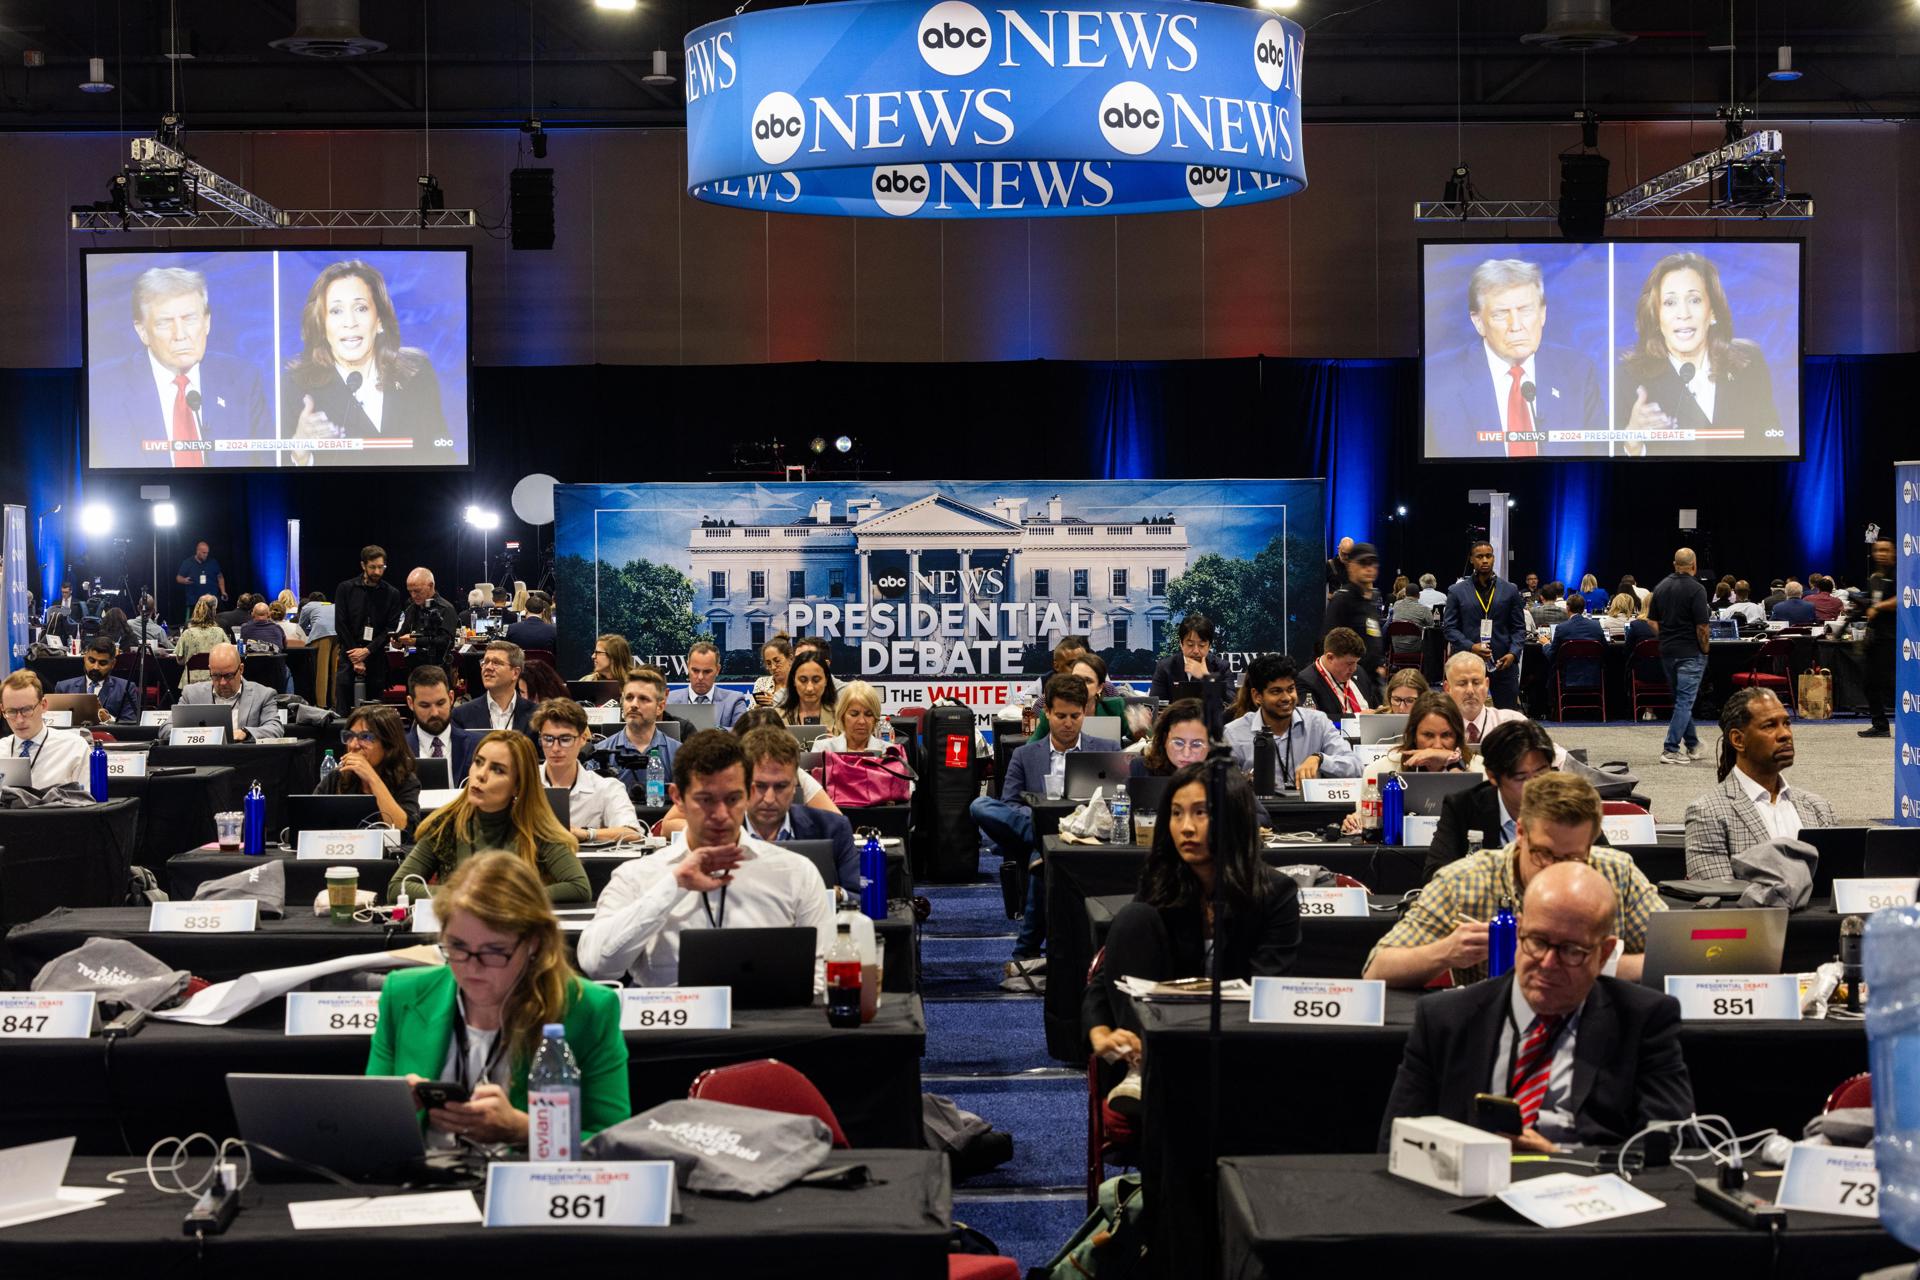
column 1179, row 739
column 113, row 625
column 1195, row 662
column 1686, row 369
column 379, row 763
column 1169, row 931
column 539, row 681
column 1434, row 741
column 810, row 690
column 354, row 379
column 776, row 655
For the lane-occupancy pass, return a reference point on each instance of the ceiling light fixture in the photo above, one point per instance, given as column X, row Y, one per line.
column 659, row 75
column 96, row 81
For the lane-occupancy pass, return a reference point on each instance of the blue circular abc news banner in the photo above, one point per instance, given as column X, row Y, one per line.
column 949, row 109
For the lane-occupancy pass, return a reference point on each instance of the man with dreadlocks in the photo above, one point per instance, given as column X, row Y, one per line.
column 1753, row 803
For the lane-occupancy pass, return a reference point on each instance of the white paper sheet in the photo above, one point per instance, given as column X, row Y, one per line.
column 366, row 1213
column 224, row 1001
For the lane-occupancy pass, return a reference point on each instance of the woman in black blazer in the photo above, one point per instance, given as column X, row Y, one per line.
column 353, row 379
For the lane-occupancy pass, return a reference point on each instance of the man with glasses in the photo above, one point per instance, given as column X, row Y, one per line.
column 714, row 876
column 500, row 706
column 1514, row 754
column 55, row 756
column 254, row 714
column 1589, row 1060
column 774, row 813
column 1306, row 743
column 598, row 807
column 1446, row 926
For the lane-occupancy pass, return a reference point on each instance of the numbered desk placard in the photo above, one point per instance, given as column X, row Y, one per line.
column 58, row 718
column 155, row 719
column 46, row 1015
column 676, row 1009
column 1321, row 903
column 620, row 1193
column 1570, row 1200
column 1629, row 828
column 200, row 735
column 1331, row 790
column 1864, row 897
column 1416, row 830
column 332, row 846
column 333, row 1013
column 1830, row 1180
column 235, row 915
column 1750, row 997
column 1369, row 752
column 1323, row 1002
column 126, row 764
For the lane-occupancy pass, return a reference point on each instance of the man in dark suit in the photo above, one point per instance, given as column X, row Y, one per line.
column 119, row 700
column 1590, row 1060
column 1580, row 673
column 1038, row 767
column 433, row 735
column 1514, row 753
column 776, row 816
column 1503, row 395
column 500, row 706
column 1485, row 616
column 535, row 631
column 1336, row 683
column 169, row 404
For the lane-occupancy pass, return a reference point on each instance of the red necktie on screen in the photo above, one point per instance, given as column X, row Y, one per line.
column 1518, row 419
column 1533, row 1068
column 184, row 427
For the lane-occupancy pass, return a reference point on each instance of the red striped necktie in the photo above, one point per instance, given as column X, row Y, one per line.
column 1533, row 1068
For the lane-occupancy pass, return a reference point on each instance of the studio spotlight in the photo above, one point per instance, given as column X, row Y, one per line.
column 96, row 519
column 817, row 446
column 483, row 520
column 1784, row 73
column 617, row 6
column 1400, row 510
column 1510, row 504
column 538, row 133
column 660, row 75
column 843, row 444
column 432, row 198
column 165, row 515
column 1282, row 5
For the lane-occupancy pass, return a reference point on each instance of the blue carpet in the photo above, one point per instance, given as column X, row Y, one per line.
column 962, row 966
column 1047, row 1118
column 1029, row 1230
column 971, row 911
column 974, row 1037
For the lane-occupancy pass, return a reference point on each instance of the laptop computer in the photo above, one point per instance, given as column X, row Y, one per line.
column 1107, row 727
column 1728, row 940
column 1089, row 769
column 434, row 775
column 701, row 715
column 809, row 733
column 1891, row 851
column 15, row 772
column 329, row 813
column 1843, row 854
column 766, row 968
column 820, row 854
column 361, row 1127
column 561, row 800
column 1723, row 629
column 667, row 728
column 1369, row 730
column 1426, row 792
column 203, row 716
column 84, row 706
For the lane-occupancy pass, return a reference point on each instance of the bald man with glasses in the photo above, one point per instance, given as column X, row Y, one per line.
column 254, row 717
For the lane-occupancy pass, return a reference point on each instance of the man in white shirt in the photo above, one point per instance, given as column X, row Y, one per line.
column 1744, row 609
column 719, row 876
column 1306, row 743
column 54, row 755
column 1430, row 593
column 703, row 669
column 1753, row 803
column 598, row 806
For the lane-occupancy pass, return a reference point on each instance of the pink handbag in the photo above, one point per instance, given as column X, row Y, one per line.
column 859, row 781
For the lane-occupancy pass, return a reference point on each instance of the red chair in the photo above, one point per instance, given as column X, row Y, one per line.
column 770, row 1085
column 101, row 735
column 1854, row 1091
column 1647, row 693
column 1341, row 880
column 1097, row 1151
column 1583, row 698
column 980, row 1266
column 1414, row 657
column 127, row 667
column 1777, row 676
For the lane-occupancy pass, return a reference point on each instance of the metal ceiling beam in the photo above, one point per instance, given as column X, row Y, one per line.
column 291, row 220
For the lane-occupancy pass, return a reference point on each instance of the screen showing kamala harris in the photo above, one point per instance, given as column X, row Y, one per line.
column 311, row 357
column 1620, row 349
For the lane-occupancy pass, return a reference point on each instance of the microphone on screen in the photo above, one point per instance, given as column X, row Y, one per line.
column 1533, row 413
column 353, row 383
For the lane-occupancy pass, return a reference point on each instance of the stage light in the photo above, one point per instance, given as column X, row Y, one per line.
column 1400, row 510
column 843, row 444
column 1510, row 504
column 483, row 520
column 96, row 519
column 1278, row 4
column 817, row 445
column 165, row 515
column 1785, row 73
column 616, row 6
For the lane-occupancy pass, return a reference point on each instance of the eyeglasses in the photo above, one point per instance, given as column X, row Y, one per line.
column 558, row 742
column 20, row 713
column 1571, row 953
column 224, row 675
column 487, row 958
column 360, row 739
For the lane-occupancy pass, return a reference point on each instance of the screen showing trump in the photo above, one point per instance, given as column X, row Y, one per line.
column 1626, row 349
column 311, row 357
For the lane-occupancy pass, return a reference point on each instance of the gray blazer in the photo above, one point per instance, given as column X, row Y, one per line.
column 256, row 708
column 1722, row 822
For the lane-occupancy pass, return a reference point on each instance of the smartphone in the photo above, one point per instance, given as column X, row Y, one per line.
column 1496, row 1114
column 438, row 1093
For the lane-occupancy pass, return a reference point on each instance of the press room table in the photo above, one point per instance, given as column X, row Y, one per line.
column 1346, row 1215
column 304, row 938
column 1291, row 1090
column 169, row 1078
column 176, row 809
column 895, row 1228
column 289, row 766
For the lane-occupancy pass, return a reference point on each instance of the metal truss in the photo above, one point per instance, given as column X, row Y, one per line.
column 1665, row 211
column 288, row 220
column 1764, row 145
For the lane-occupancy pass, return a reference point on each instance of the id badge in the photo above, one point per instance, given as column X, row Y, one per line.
column 366, row 634
column 1486, row 629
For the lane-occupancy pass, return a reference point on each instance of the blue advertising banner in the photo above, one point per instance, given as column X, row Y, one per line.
column 904, row 108
column 1906, row 708
column 940, row 581
column 13, row 585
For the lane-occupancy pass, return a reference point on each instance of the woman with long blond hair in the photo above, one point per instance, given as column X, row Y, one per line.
column 202, row 634
column 477, row 1020
column 612, row 660
column 502, row 806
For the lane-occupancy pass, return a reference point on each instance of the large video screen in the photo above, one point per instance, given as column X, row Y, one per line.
column 311, row 357
column 1621, row 349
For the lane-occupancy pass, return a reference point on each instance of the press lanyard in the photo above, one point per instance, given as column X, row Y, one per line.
column 461, row 1055
column 720, row 921
column 1486, row 605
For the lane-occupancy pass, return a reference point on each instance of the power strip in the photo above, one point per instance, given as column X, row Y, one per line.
column 1739, row 1205
column 216, row 1208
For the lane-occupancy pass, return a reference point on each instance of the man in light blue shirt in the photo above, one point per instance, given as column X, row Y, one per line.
column 1306, row 743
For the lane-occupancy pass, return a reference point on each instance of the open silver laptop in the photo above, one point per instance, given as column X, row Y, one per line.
column 361, row 1127
column 808, row 734
column 1724, row 941
column 1107, row 727
column 15, row 772
column 1368, row 730
column 701, row 715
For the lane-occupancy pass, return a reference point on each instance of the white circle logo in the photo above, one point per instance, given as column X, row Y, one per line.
column 1906, row 650
column 900, row 189
column 1906, row 492
column 1270, row 53
column 1906, row 753
column 778, row 127
column 1906, row 700
column 1906, row 544
column 1131, row 119
column 1906, row 806
column 1906, row 596
column 955, row 38
column 1208, row 184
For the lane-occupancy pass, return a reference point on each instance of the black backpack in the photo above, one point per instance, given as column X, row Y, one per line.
column 946, row 844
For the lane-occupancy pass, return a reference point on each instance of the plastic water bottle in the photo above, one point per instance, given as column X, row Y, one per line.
column 873, row 878
column 253, row 821
column 1892, row 961
column 656, row 780
column 1121, row 807
column 553, row 1099
column 1265, row 759
column 843, row 979
column 1370, row 806
column 1393, row 805
column 1502, row 932
column 97, row 772
column 328, row 767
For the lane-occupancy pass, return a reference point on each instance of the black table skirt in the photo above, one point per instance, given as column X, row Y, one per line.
column 171, row 1079
column 176, row 810
column 896, row 1228
column 1292, row 1090
column 282, row 769
column 1346, row 1215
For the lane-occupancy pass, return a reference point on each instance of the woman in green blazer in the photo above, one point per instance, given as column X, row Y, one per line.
column 478, row 1018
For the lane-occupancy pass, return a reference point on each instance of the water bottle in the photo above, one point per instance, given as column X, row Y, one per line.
column 656, row 780
column 873, row 878
column 1121, row 807
column 328, row 767
column 1393, row 806
column 1892, row 960
column 553, row 1099
column 253, row 821
column 1502, row 931
column 1370, row 806
column 843, row 979
column 1265, row 758
column 97, row 772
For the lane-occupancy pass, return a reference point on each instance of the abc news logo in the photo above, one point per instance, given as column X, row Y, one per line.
column 1906, row 701
column 891, row 586
column 778, row 126
column 1906, row 806
column 1270, row 54
column 1207, row 184
column 901, row 190
column 1907, row 491
column 1131, row 118
column 954, row 38
column 1907, row 544
column 1906, row 754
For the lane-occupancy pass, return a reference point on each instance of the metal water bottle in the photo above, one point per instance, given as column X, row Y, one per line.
column 1393, row 805
column 97, row 772
column 253, row 823
column 1502, row 932
column 873, row 878
column 1265, row 758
